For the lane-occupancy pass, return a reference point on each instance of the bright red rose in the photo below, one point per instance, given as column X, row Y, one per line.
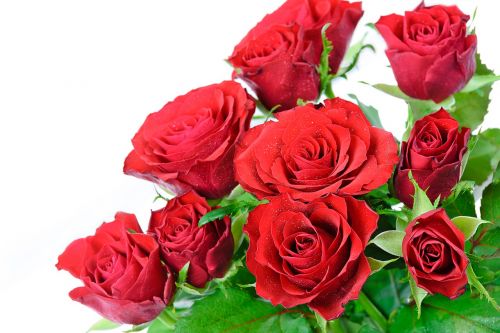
column 310, row 253
column 114, row 265
column 313, row 151
column 272, row 61
column 208, row 249
column 433, row 249
column 429, row 50
column 189, row 143
column 433, row 154
column 274, row 65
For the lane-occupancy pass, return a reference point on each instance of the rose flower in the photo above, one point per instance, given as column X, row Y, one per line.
column 189, row 143
column 114, row 265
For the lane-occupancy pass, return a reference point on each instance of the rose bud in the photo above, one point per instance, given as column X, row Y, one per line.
column 114, row 265
column 433, row 153
column 431, row 55
column 274, row 65
column 310, row 253
column 190, row 142
column 208, row 249
column 310, row 152
column 433, row 249
column 279, row 56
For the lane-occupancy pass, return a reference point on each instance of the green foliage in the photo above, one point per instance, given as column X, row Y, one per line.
column 352, row 56
column 388, row 290
column 390, row 241
column 370, row 112
column 474, row 282
column 467, row 225
column 419, row 108
column 237, row 311
column 324, row 67
column 461, row 200
column 103, row 325
column 238, row 203
column 376, row 264
column 418, row 295
column 468, row 313
column 484, row 158
column 421, row 202
column 471, row 104
column 490, row 203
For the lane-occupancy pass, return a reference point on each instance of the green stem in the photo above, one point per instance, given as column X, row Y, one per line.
column 373, row 311
column 335, row 326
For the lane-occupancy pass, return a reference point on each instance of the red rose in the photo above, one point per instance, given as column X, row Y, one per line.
column 189, row 143
column 429, row 50
column 433, row 249
column 114, row 265
column 274, row 65
column 310, row 152
column 433, row 154
column 208, row 249
column 273, row 61
column 310, row 253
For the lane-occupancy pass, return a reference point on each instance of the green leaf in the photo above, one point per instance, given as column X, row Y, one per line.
column 103, row 325
column 484, row 158
column 237, row 203
column 324, row 68
column 321, row 322
column 479, row 81
column 490, row 203
column 376, row 264
column 461, row 200
column 165, row 322
column 183, row 273
column 417, row 293
column 421, row 202
column 388, row 289
column 390, row 241
column 352, row 56
column 471, row 106
column 237, row 311
column 216, row 214
column 439, row 314
column 370, row 112
column 237, row 229
column 419, row 108
column 373, row 311
column 467, row 225
column 474, row 281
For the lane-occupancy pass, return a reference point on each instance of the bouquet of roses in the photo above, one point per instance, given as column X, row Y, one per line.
column 308, row 216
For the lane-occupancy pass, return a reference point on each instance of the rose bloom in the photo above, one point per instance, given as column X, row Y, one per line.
column 275, row 65
column 310, row 253
column 208, row 249
column 313, row 151
column 278, row 57
column 433, row 249
column 114, row 265
column 433, row 153
column 429, row 50
column 190, row 142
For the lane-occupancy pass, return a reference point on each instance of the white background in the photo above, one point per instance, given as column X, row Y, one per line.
column 77, row 79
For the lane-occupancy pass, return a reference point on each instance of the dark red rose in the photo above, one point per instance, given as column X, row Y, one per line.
column 114, row 265
column 189, row 143
column 433, row 154
column 310, row 253
column 429, row 50
column 281, row 52
column 433, row 249
column 310, row 152
column 274, row 65
column 208, row 249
